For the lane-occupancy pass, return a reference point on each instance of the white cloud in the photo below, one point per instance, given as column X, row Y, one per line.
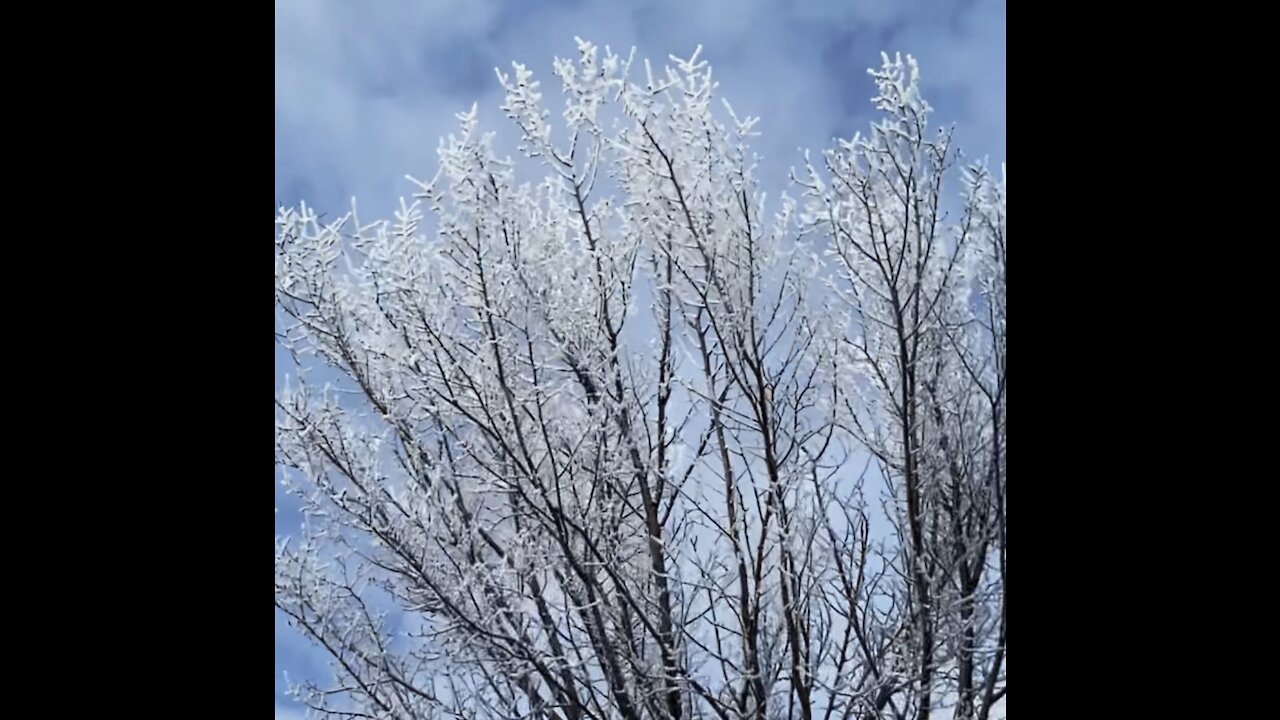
column 365, row 90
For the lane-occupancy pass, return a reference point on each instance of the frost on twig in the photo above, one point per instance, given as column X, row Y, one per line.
column 633, row 442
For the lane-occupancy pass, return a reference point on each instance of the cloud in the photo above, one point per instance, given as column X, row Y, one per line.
column 364, row 91
column 287, row 712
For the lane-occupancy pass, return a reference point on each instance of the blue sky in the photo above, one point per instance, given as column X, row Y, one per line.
column 364, row 90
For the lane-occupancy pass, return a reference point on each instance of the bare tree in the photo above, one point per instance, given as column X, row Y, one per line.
column 597, row 447
column 927, row 392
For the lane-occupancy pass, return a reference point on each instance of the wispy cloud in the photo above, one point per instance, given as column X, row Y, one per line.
column 365, row 90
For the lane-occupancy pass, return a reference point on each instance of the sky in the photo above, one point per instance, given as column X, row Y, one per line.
column 364, row 91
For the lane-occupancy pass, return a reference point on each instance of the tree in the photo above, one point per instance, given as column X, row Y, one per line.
column 600, row 447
